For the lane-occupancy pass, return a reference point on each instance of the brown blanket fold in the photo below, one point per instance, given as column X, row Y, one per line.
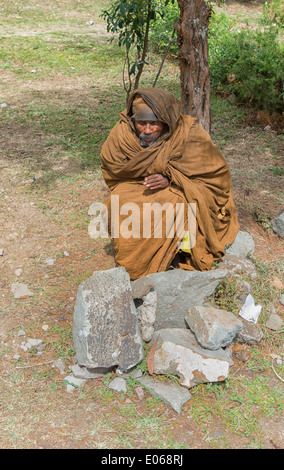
column 198, row 174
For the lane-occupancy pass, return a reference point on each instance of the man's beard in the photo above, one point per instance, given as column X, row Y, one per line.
column 147, row 140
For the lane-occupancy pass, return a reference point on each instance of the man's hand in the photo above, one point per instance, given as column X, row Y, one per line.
column 156, row 181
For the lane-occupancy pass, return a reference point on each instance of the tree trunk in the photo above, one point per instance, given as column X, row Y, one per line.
column 192, row 29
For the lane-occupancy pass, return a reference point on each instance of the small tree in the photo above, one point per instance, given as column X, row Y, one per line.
column 130, row 19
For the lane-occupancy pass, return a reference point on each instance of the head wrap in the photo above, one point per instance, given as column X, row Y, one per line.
column 141, row 111
column 163, row 104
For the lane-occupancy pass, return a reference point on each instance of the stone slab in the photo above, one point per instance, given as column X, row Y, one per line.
column 178, row 353
column 169, row 392
column 243, row 245
column 177, row 291
column 213, row 328
column 105, row 326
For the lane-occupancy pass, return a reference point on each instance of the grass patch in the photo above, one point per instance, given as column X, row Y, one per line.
column 36, row 57
column 238, row 405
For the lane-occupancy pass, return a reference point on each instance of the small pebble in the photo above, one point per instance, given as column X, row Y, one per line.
column 49, row 261
column 139, row 393
column 118, row 384
column 267, row 128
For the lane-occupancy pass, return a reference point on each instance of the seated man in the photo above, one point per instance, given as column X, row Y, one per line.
column 157, row 157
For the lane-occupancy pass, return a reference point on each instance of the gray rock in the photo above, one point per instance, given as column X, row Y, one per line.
column 105, row 326
column 84, row 373
column 169, row 392
column 281, row 300
column 177, row 291
column 178, row 353
column 213, row 328
column 277, row 224
column 267, row 128
column 73, row 383
column 274, row 322
column 32, row 343
column 271, row 307
column 1, row 251
column 60, row 365
column 243, row 286
column 237, row 265
column 118, row 384
column 21, row 291
column 250, row 334
column 136, row 374
column 243, row 245
column 21, row 333
column 139, row 393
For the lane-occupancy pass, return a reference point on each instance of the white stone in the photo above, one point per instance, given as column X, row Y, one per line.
column 177, row 352
column 60, row 365
column 249, row 310
column 20, row 291
column 146, row 315
column 49, row 262
column 21, row 333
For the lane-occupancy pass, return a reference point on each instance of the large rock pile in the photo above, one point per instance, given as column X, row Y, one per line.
column 189, row 338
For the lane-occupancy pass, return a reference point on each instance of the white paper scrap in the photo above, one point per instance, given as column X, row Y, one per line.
column 249, row 310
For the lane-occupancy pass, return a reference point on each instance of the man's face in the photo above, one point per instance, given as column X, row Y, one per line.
column 148, row 131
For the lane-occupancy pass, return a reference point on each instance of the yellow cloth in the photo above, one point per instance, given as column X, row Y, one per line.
column 185, row 243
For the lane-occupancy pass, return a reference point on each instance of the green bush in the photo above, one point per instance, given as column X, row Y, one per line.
column 247, row 63
column 166, row 16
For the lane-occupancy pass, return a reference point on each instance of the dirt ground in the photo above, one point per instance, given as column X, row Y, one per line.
column 39, row 224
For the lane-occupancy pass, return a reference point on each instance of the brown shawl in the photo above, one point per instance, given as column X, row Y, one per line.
column 198, row 174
